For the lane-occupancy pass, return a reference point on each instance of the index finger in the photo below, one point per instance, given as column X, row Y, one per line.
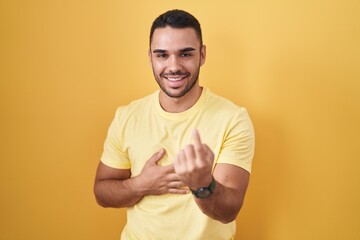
column 196, row 139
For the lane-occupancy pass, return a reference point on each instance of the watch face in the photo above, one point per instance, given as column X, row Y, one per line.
column 203, row 193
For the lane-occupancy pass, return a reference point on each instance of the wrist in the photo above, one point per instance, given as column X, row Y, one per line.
column 203, row 182
column 206, row 191
column 138, row 187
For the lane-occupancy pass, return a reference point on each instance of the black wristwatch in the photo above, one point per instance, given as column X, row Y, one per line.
column 205, row 192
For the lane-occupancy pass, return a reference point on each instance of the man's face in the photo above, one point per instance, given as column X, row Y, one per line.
column 176, row 57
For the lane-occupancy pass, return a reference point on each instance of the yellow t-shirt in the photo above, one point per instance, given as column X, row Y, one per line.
column 142, row 128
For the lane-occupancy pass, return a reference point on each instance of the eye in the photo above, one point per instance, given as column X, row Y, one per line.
column 185, row 54
column 161, row 55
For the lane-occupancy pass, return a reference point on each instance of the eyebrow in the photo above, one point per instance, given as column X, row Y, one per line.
column 159, row 51
column 188, row 49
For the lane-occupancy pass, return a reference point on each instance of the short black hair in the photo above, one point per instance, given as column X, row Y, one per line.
column 177, row 19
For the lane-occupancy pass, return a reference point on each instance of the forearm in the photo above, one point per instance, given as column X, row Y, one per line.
column 117, row 193
column 116, row 188
column 223, row 205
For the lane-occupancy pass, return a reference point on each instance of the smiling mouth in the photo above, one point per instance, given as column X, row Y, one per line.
column 175, row 79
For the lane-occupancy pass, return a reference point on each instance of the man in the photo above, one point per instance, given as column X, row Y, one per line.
column 154, row 157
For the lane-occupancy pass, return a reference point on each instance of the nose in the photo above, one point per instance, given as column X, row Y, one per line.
column 174, row 64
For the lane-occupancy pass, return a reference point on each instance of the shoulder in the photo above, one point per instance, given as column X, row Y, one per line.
column 223, row 105
column 136, row 106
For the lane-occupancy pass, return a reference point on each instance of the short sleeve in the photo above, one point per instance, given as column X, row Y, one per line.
column 113, row 154
column 239, row 143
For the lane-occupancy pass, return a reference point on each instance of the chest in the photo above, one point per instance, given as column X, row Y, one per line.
column 146, row 136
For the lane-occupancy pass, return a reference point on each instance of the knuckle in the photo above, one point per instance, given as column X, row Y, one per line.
column 189, row 147
column 198, row 147
column 202, row 166
column 191, row 169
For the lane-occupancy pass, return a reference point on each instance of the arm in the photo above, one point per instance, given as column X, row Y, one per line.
column 116, row 188
column 194, row 164
column 227, row 199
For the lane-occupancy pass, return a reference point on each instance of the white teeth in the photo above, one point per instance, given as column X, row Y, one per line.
column 174, row 79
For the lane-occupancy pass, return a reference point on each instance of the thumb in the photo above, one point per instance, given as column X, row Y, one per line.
column 157, row 156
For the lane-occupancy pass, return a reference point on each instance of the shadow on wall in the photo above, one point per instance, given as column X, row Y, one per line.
column 237, row 75
column 267, row 193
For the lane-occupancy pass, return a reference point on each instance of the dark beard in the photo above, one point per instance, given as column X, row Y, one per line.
column 181, row 94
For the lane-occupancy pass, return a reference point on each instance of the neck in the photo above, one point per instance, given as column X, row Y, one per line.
column 181, row 104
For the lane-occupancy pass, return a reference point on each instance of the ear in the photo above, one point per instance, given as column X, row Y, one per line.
column 149, row 55
column 202, row 55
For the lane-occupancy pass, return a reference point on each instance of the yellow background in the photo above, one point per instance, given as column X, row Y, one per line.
column 66, row 65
